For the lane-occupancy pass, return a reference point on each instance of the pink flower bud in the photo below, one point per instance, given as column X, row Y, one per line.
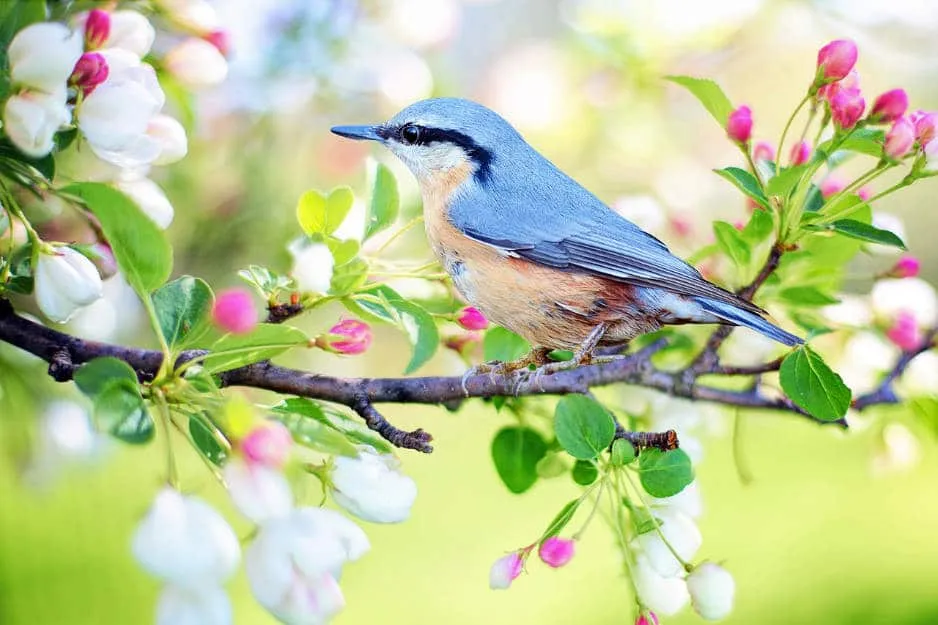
column 234, row 311
column 904, row 332
column 864, row 193
column 890, row 106
column 899, row 139
column 354, row 337
column 647, row 618
column 907, row 266
column 831, row 186
column 739, row 125
column 462, row 342
column 850, row 81
column 556, row 552
column 800, row 153
column 926, row 125
column 90, row 71
column 471, row 318
column 221, row 40
column 836, row 59
column 97, row 28
column 763, row 152
column 847, row 108
column 505, row 570
column 268, row 444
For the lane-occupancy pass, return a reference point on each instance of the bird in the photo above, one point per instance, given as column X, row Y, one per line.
column 535, row 251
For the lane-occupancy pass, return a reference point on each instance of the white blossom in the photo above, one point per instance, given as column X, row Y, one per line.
column 197, row 15
column 132, row 32
column 666, row 596
column 185, row 542
column 196, row 63
column 259, row 492
column 312, row 266
column 64, row 282
column 680, row 532
column 148, row 196
column 65, row 437
column 193, row 606
column 171, row 136
column 891, row 296
column 31, row 119
column 688, row 501
column 372, row 487
column 711, row 590
column 42, row 56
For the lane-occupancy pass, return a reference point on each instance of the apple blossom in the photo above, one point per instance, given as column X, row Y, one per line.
column 907, row 266
column 195, row 15
column 268, row 443
column 349, row 337
column 234, row 311
column 90, row 71
column 836, row 59
column 171, row 136
column 42, row 55
column 688, row 501
column 64, row 282
column 925, row 126
column 31, row 119
column 899, row 139
column 665, row 595
column 680, row 532
column 763, row 151
column 196, row 63
column 505, row 570
column 931, row 155
column 148, row 196
column 259, row 492
column 889, row 297
column 904, row 332
column 847, row 108
column 221, row 40
column 184, row 541
column 555, row 552
column 130, row 31
column 312, row 265
column 831, row 186
column 800, row 153
column 711, row 590
column 890, row 106
column 471, row 318
column 371, row 486
column 193, row 606
column 739, row 125
column 97, row 28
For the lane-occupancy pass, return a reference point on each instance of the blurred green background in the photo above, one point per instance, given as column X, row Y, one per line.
column 834, row 528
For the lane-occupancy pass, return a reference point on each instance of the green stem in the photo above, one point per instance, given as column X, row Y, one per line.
column 165, row 419
column 752, row 167
column 781, row 141
column 410, row 224
column 657, row 525
column 602, row 487
column 167, row 365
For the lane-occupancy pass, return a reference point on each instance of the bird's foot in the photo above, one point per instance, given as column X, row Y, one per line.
column 537, row 357
column 582, row 355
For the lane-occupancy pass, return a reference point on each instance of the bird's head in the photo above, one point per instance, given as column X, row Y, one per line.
column 436, row 136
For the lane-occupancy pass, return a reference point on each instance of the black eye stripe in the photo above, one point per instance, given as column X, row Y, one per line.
column 427, row 135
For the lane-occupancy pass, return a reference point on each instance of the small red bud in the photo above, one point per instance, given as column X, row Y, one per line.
column 647, row 618
column 268, row 444
column 471, row 318
column 800, row 153
column 890, row 106
column 556, row 552
column 221, row 40
column 763, row 152
column 97, row 29
column 847, row 108
column 904, row 332
column 234, row 311
column 864, row 193
column 831, row 186
column 739, row 125
column 836, row 59
column 907, row 266
column 350, row 337
column 90, row 71
column 899, row 139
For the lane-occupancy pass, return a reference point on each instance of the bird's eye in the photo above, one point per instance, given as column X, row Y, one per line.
column 410, row 134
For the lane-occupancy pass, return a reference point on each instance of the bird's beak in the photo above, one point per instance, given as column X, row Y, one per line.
column 358, row 133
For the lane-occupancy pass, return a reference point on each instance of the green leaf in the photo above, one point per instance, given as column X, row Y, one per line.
column 732, row 244
column 182, row 308
column 350, row 428
column 516, row 452
column 584, row 472
column 813, row 386
column 664, row 473
column 94, row 376
column 348, row 277
column 745, row 182
column 623, row 452
column 141, row 249
column 782, row 183
column 710, row 95
column 554, row 464
column 119, row 409
column 806, row 296
column 865, row 232
column 584, row 428
column 206, row 442
column 814, row 200
column 343, row 251
column 867, row 141
column 503, row 345
column 562, row 519
column 386, row 304
column 321, row 215
column 385, row 202
column 760, row 226
column 266, row 341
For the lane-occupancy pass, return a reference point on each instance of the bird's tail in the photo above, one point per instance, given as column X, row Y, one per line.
column 738, row 316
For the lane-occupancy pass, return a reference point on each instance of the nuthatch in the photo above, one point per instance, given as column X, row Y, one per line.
column 534, row 250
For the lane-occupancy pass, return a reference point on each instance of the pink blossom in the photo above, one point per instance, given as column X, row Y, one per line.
column 904, row 331
column 899, row 139
column 847, row 108
column 353, row 337
column 925, row 124
column 831, row 186
column 268, row 444
column 739, row 125
column 221, row 40
column 647, row 618
column 907, row 266
column 471, row 318
column 234, row 311
column 864, row 193
column 763, row 151
column 800, row 153
column 890, row 106
column 836, row 59
column 90, row 71
column 556, row 552
column 850, row 81
column 97, row 28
